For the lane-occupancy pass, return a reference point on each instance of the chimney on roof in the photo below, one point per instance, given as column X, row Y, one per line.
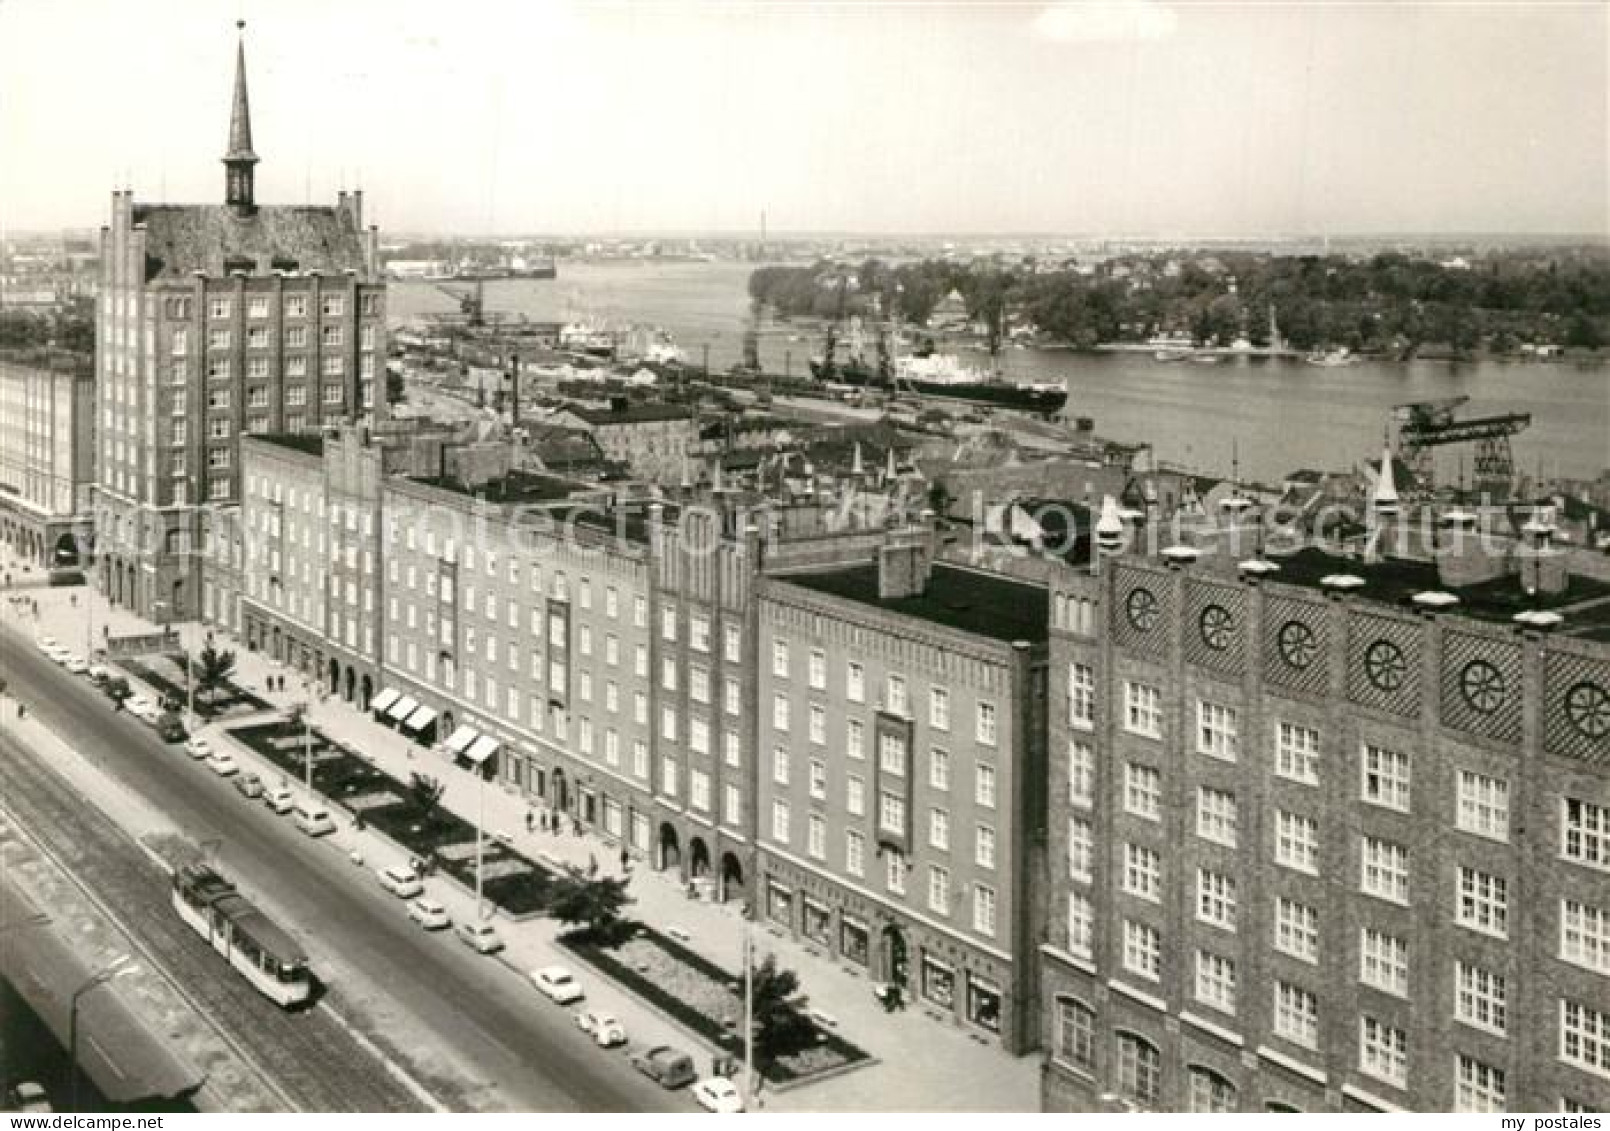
column 240, row 159
column 1462, row 552
column 904, row 565
column 1541, row 562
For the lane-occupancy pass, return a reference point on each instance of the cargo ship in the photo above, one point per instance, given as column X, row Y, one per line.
column 938, row 377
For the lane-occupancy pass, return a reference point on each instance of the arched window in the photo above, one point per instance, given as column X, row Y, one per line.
column 1140, row 1069
column 1076, row 1033
column 1210, row 1091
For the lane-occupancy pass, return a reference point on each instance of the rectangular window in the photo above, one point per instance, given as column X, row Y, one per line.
column 1585, row 935
column 779, row 821
column 731, row 804
column 1384, row 869
column 1143, row 872
column 855, row 795
column 1143, row 710
column 1081, row 773
column 1143, row 950
column 1478, row 1086
column 892, row 813
column 816, row 837
column 818, row 724
column 1383, row 961
column 1215, row 899
column 854, row 853
column 1081, row 925
column 1081, row 848
column 1216, row 815
column 892, row 755
column 1081, row 696
column 1297, row 753
column 986, row 724
column 1481, row 997
column 895, row 696
column 894, row 872
column 333, row 306
column 818, row 780
column 1585, row 1037
column 1383, row 1051
column 732, row 643
column 939, row 889
column 1483, row 806
column 984, row 847
column 818, row 670
column 1143, row 791
column 984, row 910
column 939, row 829
column 779, row 713
column 984, row 786
column 1215, row 981
column 854, row 740
column 854, row 682
column 939, row 708
column 779, row 765
column 779, row 659
column 939, row 769
column 1297, row 842
column 1296, row 1015
column 1586, row 829
column 1483, row 902
column 1217, row 733
column 1385, row 776
column 1296, row 929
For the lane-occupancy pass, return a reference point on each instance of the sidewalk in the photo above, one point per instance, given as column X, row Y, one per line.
column 955, row 1071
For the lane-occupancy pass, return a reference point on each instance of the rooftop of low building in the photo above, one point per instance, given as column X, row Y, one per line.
column 969, row 600
column 307, row 443
column 514, row 488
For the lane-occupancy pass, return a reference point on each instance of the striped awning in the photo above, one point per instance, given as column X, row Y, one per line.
column 385, row 699
column 482, row 749
column 461, row 738
column 403, row 707
column 420, row 719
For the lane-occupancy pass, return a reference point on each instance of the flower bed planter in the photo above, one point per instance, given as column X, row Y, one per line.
column 700, row 995
column 230, row 700
column 341, row 775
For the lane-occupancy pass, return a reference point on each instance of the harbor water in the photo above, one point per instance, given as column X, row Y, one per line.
column 1276, row 415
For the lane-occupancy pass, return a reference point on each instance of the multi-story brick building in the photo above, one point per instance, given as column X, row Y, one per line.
column 652, row 439
column 1319, row 844
column 213, row 322
column 47, row 451
column 900, row 742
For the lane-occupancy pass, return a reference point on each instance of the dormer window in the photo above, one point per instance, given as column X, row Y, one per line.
column 242, row 263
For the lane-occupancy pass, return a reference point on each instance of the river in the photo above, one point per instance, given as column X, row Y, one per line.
column 1277, row 415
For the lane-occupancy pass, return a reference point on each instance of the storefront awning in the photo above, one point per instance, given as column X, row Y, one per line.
column 482, row 749
column 461, row 738
column 420, row 719
column 403, row 707
column 385, row 699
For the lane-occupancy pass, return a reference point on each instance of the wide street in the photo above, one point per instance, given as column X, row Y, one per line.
column 527, row 1050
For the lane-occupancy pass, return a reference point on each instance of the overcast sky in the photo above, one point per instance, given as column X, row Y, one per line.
column 1134, row 117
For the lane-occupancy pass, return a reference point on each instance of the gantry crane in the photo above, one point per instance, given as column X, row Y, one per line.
column 1426, row 425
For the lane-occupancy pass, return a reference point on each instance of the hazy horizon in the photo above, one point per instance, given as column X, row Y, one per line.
column 1119, row 119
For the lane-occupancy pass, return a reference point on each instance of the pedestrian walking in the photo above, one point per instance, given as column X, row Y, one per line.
column 626, row 860
column 530, row 820
column 592, row 865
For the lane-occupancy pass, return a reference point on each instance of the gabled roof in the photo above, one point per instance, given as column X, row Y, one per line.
column 185, row 238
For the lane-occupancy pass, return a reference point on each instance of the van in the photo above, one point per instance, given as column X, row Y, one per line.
column 313, row 818
column 666, row 1066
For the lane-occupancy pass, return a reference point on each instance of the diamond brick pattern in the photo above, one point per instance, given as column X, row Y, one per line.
column 1143, row 612
column 1295, row 638
column 1576, row 707
column 1216, row 626
column 1383, row 663
column 1481, row 686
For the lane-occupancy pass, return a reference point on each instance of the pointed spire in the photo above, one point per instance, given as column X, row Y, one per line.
column 1384, row 501
column 240, row 157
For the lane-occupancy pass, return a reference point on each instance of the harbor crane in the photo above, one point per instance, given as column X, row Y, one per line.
column 1424, row 426
column 471, row 304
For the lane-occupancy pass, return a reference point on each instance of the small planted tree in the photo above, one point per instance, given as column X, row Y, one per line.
column 211, row 669
column 780, row 1027
column 595, row 905
column 425, row 792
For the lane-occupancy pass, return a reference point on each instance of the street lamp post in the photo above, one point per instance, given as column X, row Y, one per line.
column 480, row 838
column 307, row 734
column 749, row 1011
column 116, row 969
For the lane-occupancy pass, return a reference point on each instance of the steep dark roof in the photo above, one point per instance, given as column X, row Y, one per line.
column 984, row 604
column 183, row 238
column 631, row 414
column 308, row 443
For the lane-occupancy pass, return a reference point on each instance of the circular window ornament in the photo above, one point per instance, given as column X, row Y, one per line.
column 1142, row 609
column 1482, row 686
column 1587, row 705
column 1297, row 644
column 1217, row 625
column 1385, row 665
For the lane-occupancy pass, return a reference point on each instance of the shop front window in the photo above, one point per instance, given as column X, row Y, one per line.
column 818, row 923
column 983, row 1004
column 938, row 983
column 779, row 904
column 853, row 941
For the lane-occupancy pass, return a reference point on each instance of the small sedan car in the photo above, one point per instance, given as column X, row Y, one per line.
column 400, row 881
column 47, row 644
column 602, row 1028
column 76, row 665
column 198, row 748
column 222, row 763
column 557, row 984
column 429, row 914
column 249, row 785
column 30, row 1099
column 479, row 937
column 718, row 1094
column 279, row 798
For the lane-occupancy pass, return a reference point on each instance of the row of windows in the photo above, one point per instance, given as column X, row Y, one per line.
column 258, row 306
column 1383, row 1053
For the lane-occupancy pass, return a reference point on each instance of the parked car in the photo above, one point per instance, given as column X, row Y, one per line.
column 249, row 785
column 222, row 763
column 99, row 674
column 46, row 644
column 400, row 881
column 116, row 688
column 140, row 707
column 557, row 984
column 602, row 1028
column 60, row 655
column 666, row 1066
column 170, row 727
column 76, row 665
column 313, row 818
column 29, row 1098
column 279, row 798
column 719, row 1094
column 479, row 937
column 429, row 914
column 198, row 748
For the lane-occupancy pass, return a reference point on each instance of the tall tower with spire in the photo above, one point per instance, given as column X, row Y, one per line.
column 240, row 160
column 217, row 321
